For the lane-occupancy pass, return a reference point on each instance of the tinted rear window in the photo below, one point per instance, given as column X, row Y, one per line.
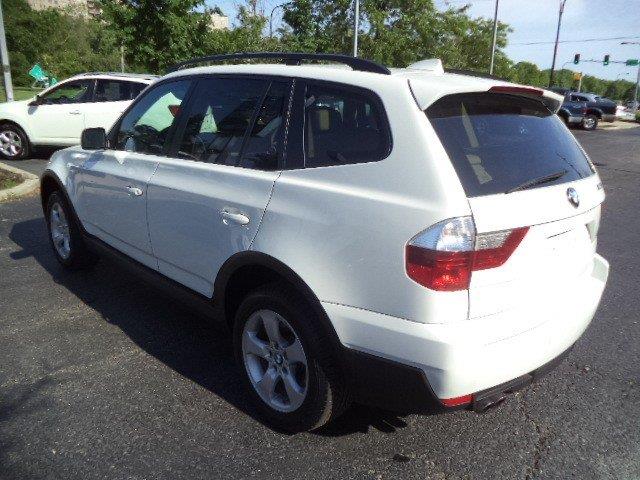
column 498, row 142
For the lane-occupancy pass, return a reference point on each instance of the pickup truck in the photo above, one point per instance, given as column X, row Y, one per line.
column 574, row 113
column 598, row 108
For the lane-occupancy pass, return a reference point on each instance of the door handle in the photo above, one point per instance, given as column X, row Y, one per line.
column 74, row 112
column 238, row 218
column 134, row 191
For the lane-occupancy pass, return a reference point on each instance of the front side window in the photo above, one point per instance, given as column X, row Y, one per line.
column 117, row 90
column 218, row 119
column 498, row 143
column 343, row 126
column 146, row 126
column 75, row 91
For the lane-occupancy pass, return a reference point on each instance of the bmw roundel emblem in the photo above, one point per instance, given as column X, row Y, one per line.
column 573, row 197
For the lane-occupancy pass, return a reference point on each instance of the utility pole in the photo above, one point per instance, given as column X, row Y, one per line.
column 4, row 53
column 355, row 28
column 122, row 58
column 635, row 91
column 495, row 35
column 555, row 48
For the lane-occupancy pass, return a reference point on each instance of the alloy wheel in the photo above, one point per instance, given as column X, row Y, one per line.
column 60, row 231
column 275, row 361
column 10, row 143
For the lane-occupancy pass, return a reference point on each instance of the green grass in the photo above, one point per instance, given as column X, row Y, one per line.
column 19, row 93
column 9, row 179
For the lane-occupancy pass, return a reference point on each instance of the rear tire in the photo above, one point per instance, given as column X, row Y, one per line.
column 14, row 143
column 64, row 235
column 590, row 122
column 288, row 364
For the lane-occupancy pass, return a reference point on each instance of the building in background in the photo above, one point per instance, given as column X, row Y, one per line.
column 218, row 21
column 75, row 7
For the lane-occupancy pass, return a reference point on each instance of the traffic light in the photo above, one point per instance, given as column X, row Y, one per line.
column 576, row 58
column 606, row 60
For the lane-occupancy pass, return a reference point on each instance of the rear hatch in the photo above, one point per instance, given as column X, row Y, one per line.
column 521, row 168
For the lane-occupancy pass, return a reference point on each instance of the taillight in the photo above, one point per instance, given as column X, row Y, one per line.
column 443, row 256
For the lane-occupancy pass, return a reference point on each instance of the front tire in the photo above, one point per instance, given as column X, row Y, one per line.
column 288, row 363
column 14, row 143
column 64, row 234
column 590, row 122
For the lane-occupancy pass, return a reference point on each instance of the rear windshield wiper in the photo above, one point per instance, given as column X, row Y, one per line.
column 538, row 181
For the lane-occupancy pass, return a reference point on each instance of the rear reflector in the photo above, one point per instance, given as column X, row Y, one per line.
column 457, row 401
column 443, row 256
column 517, row 90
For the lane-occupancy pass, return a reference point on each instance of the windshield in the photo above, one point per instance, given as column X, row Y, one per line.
column 498, row 142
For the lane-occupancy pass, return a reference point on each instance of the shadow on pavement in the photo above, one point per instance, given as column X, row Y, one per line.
column 192, row 346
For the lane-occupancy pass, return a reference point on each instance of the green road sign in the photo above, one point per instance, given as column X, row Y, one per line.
column 632, row 62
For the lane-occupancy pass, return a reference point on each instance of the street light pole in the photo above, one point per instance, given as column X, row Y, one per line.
column 635, row 92
column 4, row 53
column 355, row 28
column 495, row 36
column 555, row 48
column 271, row 17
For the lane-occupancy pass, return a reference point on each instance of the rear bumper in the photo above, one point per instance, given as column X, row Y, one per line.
column 608, row 117
column 474, row 356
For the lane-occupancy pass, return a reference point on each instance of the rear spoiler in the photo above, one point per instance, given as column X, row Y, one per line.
column 552, row 100
column 426, row 92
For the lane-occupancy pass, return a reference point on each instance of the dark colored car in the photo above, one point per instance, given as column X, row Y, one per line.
column 574, row 113
column 598, row 108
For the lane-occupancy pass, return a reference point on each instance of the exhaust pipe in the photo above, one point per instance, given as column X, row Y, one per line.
column 481, row 405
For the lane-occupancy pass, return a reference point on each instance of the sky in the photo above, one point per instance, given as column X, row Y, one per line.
column 537, row 20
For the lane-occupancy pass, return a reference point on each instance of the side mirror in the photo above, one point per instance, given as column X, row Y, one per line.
column 35, row 102
column 93, row 139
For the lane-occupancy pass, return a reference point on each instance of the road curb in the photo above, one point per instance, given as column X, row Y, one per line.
column 29, row 185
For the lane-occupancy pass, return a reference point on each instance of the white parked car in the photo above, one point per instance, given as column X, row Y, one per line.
column 412, row 239
column 57, row 116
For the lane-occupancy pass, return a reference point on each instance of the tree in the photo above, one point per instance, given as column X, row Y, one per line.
column 158, row 33
column 64, row 45
column 394, row 32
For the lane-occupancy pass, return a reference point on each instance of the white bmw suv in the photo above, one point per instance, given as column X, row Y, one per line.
column 413, row 239
column 57, row 116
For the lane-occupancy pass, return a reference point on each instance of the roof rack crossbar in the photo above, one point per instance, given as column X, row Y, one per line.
column 290, row 59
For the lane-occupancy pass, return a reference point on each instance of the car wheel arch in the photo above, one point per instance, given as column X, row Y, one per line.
column 246, row 271
column 596, row 112
column 49, row 183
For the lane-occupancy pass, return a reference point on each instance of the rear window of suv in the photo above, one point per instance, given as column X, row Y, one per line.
column 498, row 143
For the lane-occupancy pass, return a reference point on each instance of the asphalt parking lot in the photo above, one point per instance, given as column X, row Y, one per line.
column 102, row 377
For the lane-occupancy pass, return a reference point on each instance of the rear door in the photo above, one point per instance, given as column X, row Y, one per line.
column 521, row 168
column 206, row 203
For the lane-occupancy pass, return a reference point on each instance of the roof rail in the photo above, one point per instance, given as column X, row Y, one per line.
column 291, row 59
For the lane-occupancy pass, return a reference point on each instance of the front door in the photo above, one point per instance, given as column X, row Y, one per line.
column 59, row 115
column 206, row 203
column 113, row 185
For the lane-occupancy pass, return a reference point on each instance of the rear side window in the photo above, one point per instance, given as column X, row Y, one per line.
column 117, row 90
column 343, row 126
column 500, row 142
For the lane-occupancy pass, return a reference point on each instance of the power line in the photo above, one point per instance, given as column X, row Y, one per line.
column 576, row 41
